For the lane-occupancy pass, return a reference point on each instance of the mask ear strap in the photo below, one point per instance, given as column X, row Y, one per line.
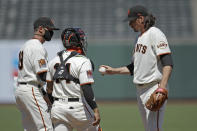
column 69, row 38
column 64, row 39
column 77, row 35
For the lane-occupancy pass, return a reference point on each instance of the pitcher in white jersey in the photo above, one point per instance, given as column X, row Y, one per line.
column 151, row 64
column 32, row 68
column 69, row 81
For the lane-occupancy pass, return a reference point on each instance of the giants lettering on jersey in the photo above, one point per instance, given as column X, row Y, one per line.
column 140, row 48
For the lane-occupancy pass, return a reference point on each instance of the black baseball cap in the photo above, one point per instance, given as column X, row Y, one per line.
column 45, row 22
column 136, row 11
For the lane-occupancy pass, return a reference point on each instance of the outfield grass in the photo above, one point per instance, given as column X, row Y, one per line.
column 120, row 116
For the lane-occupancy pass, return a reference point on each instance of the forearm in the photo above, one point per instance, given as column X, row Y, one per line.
column 89, row 95
column 96, row 110
column 166, row 75
column 120, row 70
column 49, row 88
column 96, row 117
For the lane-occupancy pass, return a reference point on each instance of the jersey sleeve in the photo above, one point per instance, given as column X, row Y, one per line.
column 39, row 60
column 86, row 73
column 160, row 42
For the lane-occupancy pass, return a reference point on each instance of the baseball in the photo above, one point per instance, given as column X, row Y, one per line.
column 102, row 69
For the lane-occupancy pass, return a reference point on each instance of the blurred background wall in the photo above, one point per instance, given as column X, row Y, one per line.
column 110, row 40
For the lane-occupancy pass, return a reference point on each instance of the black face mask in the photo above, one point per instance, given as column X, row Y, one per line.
column 48, row 35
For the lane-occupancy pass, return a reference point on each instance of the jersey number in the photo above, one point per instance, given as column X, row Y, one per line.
column 20, row 63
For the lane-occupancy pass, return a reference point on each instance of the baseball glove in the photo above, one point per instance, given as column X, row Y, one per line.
column 157, row 99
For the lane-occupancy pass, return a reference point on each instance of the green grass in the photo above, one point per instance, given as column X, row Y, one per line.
column 125, row 117
column 116, row 117
column 10, row 118
column 119, row 117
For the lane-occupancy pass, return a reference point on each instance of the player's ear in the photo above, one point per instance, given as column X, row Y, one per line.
column 141, row 19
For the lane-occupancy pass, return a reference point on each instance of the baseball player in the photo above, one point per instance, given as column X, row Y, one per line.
column 69, row 80
column 151, row 64
column 32, row 70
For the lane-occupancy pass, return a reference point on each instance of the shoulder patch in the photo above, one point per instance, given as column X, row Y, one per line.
column 89, row 74
column 162, row 45
column 42, row 63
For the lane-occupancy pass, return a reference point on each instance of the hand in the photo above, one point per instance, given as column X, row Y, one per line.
column 46, row 98
column 109, row 70
column 157, row 99
column 97, row 118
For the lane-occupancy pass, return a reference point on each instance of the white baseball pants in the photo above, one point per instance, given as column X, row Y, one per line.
column 152, row 120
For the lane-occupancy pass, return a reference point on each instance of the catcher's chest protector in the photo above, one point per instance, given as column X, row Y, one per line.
column 62, row 71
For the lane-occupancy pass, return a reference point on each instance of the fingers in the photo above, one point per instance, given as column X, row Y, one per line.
column 96, row 122
column 97, row 118
column 103, row 71
column 108, row 70
column 104, row 66
column 47, row 100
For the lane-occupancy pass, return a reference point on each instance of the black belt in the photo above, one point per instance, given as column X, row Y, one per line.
column 25, row 83
column 22, row 83
column 140, row 84
column 69, row 99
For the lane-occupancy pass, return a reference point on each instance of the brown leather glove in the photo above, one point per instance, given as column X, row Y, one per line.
column 157, row 99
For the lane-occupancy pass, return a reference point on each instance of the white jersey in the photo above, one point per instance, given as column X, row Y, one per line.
column 80, row 68
column 32, row 61
column 147, row 65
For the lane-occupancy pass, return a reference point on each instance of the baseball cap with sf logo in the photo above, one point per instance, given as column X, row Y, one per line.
column 136, row 11
column 45, row 22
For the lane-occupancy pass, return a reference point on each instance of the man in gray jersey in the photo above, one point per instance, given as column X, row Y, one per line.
column 151, row 65
column 32, row 69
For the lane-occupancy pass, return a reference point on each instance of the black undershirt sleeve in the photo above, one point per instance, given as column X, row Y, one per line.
column 92, row 63
column 43, row 76
column 131, row 68
column 89, row 95
column 166, row 60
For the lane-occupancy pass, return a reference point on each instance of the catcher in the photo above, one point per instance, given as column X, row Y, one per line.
column 70, row 80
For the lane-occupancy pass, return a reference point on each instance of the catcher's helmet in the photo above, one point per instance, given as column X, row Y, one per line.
column 74, row 37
